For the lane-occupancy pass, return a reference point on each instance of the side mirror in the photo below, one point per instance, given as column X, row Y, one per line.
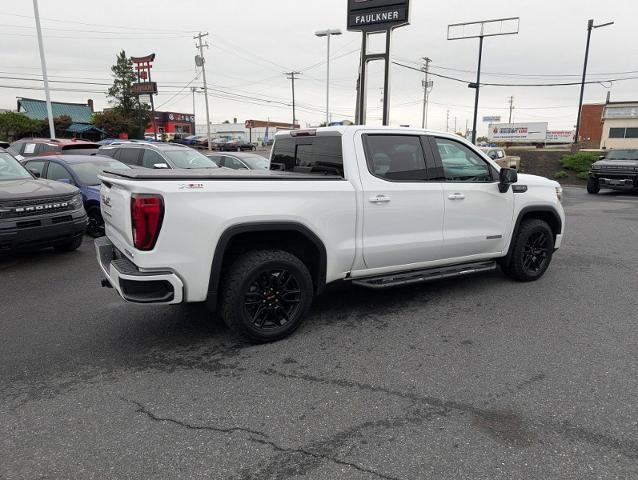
column 160, row 166
column 506, row 176
column 35, row 173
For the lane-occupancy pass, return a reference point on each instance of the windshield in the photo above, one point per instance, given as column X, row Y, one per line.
column 256, row 162
column 189, row 158
column 10, row 168
column 622, row 155
column 87, row 172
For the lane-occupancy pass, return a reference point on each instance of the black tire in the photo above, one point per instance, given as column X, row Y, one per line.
column 71, row 245
column 593, row 186
column 95, row 226
column 531, row 251
column 251, row 302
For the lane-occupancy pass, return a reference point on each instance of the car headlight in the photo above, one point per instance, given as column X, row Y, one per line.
column 596, row 167
column 559, row 193
column 76, row 201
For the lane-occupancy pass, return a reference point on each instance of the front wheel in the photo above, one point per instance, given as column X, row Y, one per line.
column 531, row 252
column 265, row 295
column 593, row 186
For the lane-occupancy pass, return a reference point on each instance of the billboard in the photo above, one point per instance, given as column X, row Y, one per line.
column 377, row 15
column 560, row 136
column 517, row 132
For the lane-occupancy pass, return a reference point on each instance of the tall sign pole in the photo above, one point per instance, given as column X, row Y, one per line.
column 145, row 85
column 200, row 62
column 43, row 62
column 480, row 30
column 375, row 16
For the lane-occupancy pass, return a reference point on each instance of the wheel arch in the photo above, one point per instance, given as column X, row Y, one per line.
column 292, row 237
column 545, row 213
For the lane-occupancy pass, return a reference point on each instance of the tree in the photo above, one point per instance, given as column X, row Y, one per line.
column 127, row 115
column 482, row 140
column 14, row 126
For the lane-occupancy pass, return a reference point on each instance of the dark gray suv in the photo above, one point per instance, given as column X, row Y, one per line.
column 156, row 155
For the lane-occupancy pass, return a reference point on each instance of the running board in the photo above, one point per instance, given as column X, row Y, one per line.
column 425, row 275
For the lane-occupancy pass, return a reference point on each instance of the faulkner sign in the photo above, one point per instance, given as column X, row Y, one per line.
column 377, row 15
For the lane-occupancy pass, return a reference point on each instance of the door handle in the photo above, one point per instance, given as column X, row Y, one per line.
column 456, row 196
column 379, row 199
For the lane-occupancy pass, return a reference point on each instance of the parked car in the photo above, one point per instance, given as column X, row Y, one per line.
column 81, row 171
column 109, row 141
column 240, row 161
column 617, row 169
column 236, row 146
column 156, row 155
column 377, row 206
column 4, row 145
column 37, row 213
column 33, row 147
column 502, row 158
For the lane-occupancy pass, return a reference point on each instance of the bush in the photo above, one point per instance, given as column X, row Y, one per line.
column 583, row 175
column 579, row 162
column 561, row 174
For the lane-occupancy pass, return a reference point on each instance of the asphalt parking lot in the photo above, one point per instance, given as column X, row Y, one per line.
column 473, row 378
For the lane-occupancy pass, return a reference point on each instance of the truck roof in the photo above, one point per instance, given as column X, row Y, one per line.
column 342, row 129
column 212, row 174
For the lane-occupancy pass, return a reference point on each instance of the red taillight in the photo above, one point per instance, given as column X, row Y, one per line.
column 147, row 212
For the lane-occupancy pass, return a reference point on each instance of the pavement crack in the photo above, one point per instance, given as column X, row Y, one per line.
column 259, row 438
column 156, row 418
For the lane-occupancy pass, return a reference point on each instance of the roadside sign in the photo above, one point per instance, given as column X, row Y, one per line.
column 517, row 132
column 144, row 99
column 560, row 136
column 377, row 15
column 249, row 124
column 492, row 119
column 142, row 88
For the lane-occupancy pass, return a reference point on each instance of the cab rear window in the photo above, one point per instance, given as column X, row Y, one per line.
column 317, row 155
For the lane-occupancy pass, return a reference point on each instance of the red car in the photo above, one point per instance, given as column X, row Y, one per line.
column 31, row 147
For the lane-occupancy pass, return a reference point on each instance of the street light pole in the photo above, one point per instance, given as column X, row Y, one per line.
column 43, row 63
column 590, row 27
column 328, row 33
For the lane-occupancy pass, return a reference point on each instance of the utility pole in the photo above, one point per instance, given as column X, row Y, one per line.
column 511, row 108
column 590, row 27
column 193, row 89
column 201, row 63
column 291, row 76
column 426, row 87
column 43, row 62
column 447, row 121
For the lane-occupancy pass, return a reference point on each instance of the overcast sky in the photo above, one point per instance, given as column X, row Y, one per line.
column 253, row 42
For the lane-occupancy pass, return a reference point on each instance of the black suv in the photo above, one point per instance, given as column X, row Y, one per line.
column 617, row 169
column 156, row 155
column 37, row 213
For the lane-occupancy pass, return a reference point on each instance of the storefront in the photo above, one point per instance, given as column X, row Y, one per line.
column 171, row 123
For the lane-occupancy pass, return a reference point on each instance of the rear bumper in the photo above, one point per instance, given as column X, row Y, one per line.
column 134, row 285
column 42, row 230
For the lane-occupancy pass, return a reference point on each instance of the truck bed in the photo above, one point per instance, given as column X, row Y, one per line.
column 213, row 174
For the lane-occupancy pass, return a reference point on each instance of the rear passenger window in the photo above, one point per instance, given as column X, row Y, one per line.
column 320, row 155
column 130, row 156
column 36, row 165
column 396, row 157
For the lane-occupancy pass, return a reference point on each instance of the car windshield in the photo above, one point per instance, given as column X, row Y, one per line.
column 256, row 162
column 87, row 172
column 622, row 155
column 10, row 168
column 189, row 158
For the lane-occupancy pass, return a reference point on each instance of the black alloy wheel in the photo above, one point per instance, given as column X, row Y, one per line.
column 535, row 252
column 95, row 226
column 272, row 299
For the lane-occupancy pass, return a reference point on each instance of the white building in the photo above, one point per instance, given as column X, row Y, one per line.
column 620, row 125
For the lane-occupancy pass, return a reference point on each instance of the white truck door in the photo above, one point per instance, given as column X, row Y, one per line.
column 402, row 207
column 478, row 217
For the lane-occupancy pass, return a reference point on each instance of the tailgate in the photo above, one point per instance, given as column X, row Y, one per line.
column 115, row 203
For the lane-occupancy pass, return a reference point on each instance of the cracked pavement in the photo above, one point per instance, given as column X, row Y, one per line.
column 474, row 378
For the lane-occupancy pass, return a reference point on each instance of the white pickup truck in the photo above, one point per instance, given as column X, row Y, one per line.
column 376, row 206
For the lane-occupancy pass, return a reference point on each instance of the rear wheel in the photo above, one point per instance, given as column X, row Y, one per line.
column 593, row 186
column 95, row 227
column 531, row 252
column 265, row 295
